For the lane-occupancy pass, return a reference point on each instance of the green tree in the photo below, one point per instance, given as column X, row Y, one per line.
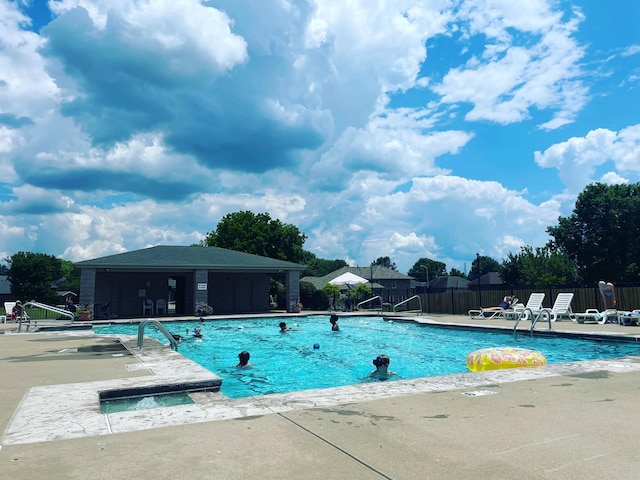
column 385, row 262
column 539, row 268
column 601, row 235
column 32, row 276
column 361, row 292
column 319, row 267
column 70, row 277
column 258, row 234
column 512, row 270
column 481, row 265
column 457, row 273
column 424, row 265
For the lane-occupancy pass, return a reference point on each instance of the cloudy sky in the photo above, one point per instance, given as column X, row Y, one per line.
column 404, row 128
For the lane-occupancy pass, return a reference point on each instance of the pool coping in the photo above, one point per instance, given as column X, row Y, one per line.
column 76, row 414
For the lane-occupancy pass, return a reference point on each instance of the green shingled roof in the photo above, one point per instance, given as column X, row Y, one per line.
column 210, row 258
column 375, row 272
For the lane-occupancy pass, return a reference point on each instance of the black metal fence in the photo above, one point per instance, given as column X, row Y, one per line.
column 460, row 301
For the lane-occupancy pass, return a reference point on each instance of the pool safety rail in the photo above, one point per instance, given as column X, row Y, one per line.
column 417, row 312
column 527, row 313
column 160, row 327
column 43, row 306
column 361, row 308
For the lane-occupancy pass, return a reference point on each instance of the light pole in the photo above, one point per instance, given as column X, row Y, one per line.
column 427, row 270
column 479, row 278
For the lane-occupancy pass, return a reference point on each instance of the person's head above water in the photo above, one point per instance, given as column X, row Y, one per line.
column 381, row 361
column 283, row 326
column 243, row 358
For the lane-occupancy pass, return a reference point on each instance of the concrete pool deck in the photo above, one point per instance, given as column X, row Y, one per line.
column 570, row 421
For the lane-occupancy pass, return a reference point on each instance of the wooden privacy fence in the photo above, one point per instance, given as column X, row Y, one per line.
column 460, row 301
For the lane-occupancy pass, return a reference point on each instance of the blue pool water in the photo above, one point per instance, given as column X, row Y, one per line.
column 285, row 362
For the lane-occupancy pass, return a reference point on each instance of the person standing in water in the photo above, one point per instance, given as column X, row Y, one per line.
column 243, row 359
column 382, row 372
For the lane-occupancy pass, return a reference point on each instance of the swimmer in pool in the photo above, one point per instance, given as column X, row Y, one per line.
column 197, row 332
column 243, row 359
column 334, row 323
column 382, row 372
column 284, row 328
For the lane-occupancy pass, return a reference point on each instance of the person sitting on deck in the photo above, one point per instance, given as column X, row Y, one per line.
column 504, row 304
column 17, row 311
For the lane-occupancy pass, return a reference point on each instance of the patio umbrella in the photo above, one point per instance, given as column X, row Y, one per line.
column 348, row 278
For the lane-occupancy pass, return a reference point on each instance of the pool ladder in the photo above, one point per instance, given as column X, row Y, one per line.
column 415, row 297
column 160, row 327
column 534, row 319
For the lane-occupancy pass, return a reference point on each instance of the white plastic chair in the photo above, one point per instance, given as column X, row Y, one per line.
column 561, row 308
column 161, row 306
column 147, row 306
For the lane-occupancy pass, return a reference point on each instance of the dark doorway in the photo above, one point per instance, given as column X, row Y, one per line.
column 177, row 291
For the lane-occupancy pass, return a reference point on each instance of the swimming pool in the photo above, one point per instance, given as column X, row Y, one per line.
column 286, row 362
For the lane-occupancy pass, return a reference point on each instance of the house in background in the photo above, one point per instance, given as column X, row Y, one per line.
column 391, row 285
column 448, row 282
column 136, row 283
column 491, row 278
column 5, row 289
column 67, row 297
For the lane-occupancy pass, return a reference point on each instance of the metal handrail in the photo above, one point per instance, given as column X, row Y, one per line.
column 543, row 312
column 44, row 306
column 534, row 319
column 159, row 326
column 407, row 301
column 370, row 300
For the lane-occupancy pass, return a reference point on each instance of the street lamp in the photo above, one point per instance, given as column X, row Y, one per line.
column 479, row 278
column 427, row 270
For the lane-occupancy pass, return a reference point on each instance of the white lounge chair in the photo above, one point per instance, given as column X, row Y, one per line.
column 595, row 316
column 8, row 309
column 561, row 308
column 534, row 304
column 609, row 313
column 488, row 314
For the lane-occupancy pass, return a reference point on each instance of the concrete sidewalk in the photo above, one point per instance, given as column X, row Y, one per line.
column 577, row 422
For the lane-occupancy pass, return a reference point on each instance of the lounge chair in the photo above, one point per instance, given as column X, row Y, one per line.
column 534, row 304
column 8, row 309
column 609, row 314
column 479, row 314
column 561, row 308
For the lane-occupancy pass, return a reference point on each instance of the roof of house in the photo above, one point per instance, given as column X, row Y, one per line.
column 376, row 273
column 5, row 285
column 192, row 257
column 450, row 281
column 491, row 278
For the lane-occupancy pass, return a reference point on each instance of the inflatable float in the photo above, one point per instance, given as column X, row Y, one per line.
column 504, row 357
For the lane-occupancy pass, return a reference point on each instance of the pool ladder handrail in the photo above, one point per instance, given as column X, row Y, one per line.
column 358, row 306
column 44, row 306
column 534, row 319
column 407, row 301
column 159, row 326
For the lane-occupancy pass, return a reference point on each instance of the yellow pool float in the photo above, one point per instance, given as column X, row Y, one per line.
column 504, row 357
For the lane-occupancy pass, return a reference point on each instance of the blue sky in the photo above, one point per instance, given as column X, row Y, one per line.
column 406, row 129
